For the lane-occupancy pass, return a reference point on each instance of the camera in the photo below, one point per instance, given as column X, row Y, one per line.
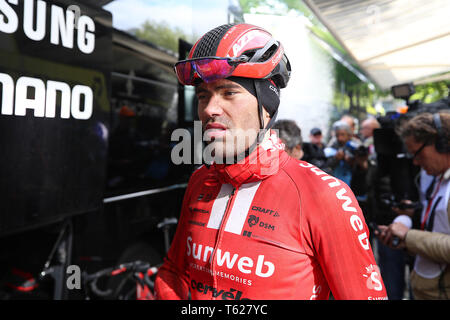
column 362, row 151
column 405, row 91
column 353, row 148
column 388, row 200
column 386, row 141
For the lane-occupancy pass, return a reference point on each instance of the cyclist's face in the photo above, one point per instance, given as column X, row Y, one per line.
column 229, row 115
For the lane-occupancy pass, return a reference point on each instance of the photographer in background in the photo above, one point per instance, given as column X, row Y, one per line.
column 427, row 137
column 347, row 157
column 339, row 155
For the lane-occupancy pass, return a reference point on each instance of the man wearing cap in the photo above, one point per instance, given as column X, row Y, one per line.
column 256, row 223
column 313, row 150
column 315, row 136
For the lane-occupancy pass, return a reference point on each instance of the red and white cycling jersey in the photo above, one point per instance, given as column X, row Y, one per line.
column 272, row 228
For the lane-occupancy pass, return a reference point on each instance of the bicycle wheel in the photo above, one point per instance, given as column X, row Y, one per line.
column 125, row 286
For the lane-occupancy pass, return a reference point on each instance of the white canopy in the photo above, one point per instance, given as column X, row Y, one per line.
column 394, row 41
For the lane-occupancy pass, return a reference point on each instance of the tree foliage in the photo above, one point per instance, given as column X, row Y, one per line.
column 161, row 34
column 431, row 92
column 351, row 94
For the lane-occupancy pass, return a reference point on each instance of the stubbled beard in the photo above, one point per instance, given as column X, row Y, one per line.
column 232, row 147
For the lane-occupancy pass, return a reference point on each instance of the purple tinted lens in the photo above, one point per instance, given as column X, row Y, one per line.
column 184, row 72
column 213, row 69
column 207, row 69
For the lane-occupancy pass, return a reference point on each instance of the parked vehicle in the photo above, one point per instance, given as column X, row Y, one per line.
column 86, row 115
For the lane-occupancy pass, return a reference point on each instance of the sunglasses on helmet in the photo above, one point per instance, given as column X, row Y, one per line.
column 206, row 68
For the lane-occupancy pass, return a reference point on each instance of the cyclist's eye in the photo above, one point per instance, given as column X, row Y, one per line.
column 202, row 96
column 230, row 93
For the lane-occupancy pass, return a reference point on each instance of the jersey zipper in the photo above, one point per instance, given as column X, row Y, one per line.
column 220, row 232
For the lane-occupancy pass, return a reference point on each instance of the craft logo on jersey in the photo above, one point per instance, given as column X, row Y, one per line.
column 270, row 212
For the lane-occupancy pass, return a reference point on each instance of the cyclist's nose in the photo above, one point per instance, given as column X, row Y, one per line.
column 214, row 107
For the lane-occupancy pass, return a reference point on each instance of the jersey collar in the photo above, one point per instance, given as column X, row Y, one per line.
column 266, row 160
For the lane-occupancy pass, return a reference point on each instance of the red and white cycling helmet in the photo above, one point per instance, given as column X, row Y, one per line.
column 239, row 50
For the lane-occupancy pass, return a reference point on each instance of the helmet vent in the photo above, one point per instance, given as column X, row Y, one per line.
column 269, row 53
column 207, row 46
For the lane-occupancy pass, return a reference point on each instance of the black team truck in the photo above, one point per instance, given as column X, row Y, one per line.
column 86, row 116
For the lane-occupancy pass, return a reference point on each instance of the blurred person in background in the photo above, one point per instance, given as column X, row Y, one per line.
column 353, row 123
column 314, row 150
column 291, row 135
column 315, row 138
column 367, row 128
column 340, row 159
column 348, row 161
column 365, row 158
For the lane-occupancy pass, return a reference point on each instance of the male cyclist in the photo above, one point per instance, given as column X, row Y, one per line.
column 263, row 225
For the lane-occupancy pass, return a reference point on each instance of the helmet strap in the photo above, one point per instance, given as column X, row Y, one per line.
column 262, row 127
column 262, row 130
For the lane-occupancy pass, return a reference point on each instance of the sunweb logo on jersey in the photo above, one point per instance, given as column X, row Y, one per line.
column 246, row 265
